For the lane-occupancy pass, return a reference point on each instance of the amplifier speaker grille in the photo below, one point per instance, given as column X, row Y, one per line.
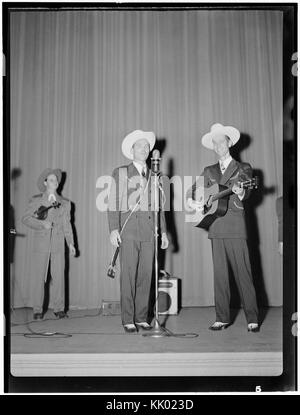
column 168, row 296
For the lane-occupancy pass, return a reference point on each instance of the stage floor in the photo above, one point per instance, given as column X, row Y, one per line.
column 91, row 344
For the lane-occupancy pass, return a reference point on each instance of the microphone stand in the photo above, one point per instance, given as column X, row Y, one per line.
column 157, row 330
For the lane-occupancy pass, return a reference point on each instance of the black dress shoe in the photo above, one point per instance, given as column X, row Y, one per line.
column 60, row 314
column 38, row 316
column 143, row 326
column 217, row 326
column 130, row 328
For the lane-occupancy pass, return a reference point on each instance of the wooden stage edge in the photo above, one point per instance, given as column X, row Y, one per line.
column 148, row 364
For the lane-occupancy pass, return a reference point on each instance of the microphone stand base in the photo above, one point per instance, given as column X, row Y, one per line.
column 157, row 331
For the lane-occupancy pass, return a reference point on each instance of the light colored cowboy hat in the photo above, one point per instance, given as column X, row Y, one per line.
column 45, row 174
column 218, row 129
column 136, row 135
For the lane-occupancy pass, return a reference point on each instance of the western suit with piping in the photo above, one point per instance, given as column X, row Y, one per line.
column 229, row 243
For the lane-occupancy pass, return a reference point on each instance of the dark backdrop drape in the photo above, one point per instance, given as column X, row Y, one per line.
column 81, row 80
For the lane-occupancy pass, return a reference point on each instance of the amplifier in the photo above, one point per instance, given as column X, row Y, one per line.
column 168, row 296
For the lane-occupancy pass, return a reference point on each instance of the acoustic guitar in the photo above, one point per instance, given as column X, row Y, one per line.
column 215, row 202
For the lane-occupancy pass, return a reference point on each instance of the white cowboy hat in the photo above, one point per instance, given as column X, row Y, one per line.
column 218, row 129
column 136, row 135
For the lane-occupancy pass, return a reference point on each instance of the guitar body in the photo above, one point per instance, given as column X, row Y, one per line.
column 214, row 210
column 215, row 202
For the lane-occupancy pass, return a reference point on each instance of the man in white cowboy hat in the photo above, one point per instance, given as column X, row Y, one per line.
column 131, row 226
column 48, row 216
column 228, row 232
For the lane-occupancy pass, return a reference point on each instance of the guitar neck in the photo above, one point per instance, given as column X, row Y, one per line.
column 244, row 185
column 221, row 194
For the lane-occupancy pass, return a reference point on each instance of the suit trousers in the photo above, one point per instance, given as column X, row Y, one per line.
column 42, row 261
column 234, row 252
column 136, row 259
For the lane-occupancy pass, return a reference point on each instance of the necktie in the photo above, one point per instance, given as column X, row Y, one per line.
column 222, row 168
column 143, row 178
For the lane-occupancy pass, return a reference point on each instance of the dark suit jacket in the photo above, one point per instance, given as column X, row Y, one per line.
column 60, row 218
column 123, row 196
column 232, row 224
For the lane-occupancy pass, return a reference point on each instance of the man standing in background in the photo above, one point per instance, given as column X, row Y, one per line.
column 48, row 216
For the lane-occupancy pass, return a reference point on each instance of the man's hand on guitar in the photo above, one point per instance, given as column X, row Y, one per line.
column 238, row 190
column 115, row 238
column 193, row 204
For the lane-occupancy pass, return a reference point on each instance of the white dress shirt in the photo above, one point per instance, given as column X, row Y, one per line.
column 225, row 163
column 140, row 168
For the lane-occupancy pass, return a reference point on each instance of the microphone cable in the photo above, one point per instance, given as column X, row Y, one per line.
column 58, row 335
column 169, row 332
column 32, row 333
column 47, row 334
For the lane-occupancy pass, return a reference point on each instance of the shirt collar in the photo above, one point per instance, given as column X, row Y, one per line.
column 139, row 167
column 226, row 162
column 51, row 197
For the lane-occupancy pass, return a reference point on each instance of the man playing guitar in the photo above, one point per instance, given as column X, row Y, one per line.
column 228, row 232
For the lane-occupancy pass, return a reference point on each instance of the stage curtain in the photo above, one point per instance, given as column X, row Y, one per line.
column 81, row 80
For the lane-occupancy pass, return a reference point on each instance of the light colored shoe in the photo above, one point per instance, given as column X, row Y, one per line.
column 253, row 327
column 218, row 325
column 144, row 325
column 130, row 328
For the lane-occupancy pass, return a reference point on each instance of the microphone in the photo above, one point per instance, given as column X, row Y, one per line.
column 155, row 160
